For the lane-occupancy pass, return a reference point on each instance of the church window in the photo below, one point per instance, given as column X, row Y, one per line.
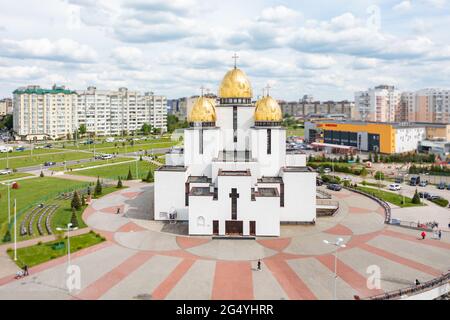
column 200, row 141
column 234, row 123
column 269, row 141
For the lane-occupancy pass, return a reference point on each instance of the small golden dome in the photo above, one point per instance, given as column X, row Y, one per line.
column 268, row 109
column 203, row 110
column 235, row 84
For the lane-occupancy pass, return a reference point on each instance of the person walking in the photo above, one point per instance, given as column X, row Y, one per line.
column 423, row 234
column 118, row 210
column 25, row 270
column 258, row 265
column 440, row 234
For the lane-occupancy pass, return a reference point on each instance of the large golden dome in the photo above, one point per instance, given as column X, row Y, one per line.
column 235, row 84
column 268, row 109
column 203, row 110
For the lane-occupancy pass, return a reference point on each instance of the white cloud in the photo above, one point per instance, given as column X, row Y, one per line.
column 278, row 14
column 130, row 57
column 20, row 73
column 403, row 6
column 60, row 50
column 316, row 61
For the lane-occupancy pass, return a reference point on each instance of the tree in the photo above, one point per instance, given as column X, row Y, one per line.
column 82, row 129
column 98, row 188
column 363, row 172
column 379, row 175
column 129, row 176
column 119, row 183
column 74, row 219
column 357, row 160
column 7, row 236
column 83, row 200
column 146, row 129
column 41, row 174
column 149, row 177
column 416, row 198
column 76, row 202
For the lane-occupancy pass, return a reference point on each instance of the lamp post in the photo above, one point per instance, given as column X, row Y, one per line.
column 9, row 201
column 338, row 244
column 68, row 229
column 15, row 231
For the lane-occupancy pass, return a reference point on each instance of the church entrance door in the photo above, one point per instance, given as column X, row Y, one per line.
column 234, row 227
column 215, row 227
column 252, row 228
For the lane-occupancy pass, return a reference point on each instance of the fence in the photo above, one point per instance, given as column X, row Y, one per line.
column 323, row 194
column 384, row 204
column 445, row 278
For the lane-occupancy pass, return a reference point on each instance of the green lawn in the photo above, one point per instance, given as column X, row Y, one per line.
column 296, row 132
column 115, row 170
column 13, row 176
column 31, row 192
column 40, row 253
column 137, row 147
column 26, row 153
column 40, row 159
column 389, row 197
column 92, row 163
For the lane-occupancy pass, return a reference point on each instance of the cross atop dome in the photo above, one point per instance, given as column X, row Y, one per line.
column 268, row 87
column 202, row 88
column 235, row 57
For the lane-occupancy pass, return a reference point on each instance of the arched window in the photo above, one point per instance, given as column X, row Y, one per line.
column 200, row 221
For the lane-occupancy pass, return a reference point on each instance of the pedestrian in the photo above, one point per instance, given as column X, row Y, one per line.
column 258, row 265
column 423, row 234
column 417, row 282
column 118, row 210
column 440, row 234
column 25, row 270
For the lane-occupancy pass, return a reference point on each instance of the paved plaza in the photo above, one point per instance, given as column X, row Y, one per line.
column 144, row 259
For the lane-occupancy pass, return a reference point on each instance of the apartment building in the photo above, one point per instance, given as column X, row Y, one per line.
column 426, row 105
column 113, row 112
column 379, row 104
column 55, row 113
column 5, row 107
column 44, row 113
column 182, row 107
column 307, row 108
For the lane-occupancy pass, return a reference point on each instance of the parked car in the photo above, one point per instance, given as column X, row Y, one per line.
column 394, row 187
column 106, row 156
column 334, row 187
column 423, row 183
column 6, row 171
column 49, row 163
column 48, row 146
column 448, row 186
column 442, row 186
column 346, row 178
column 5, row 149
column 20, row 149
column 326, row 170
column 319, row 182
column 424, row 195
column 414, row 181
column 399, row 180
column 432, row 197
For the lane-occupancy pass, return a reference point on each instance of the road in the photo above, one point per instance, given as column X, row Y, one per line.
column 72, row 162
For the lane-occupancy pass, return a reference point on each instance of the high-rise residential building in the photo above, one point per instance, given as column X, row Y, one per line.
column 5, row 106
column 55, row 113
column 44, row 113
column 380, row 104
column 306, row 108
column 427, row 105
column 114, row 112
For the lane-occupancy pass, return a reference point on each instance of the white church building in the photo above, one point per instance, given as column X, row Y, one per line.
column 233, row 176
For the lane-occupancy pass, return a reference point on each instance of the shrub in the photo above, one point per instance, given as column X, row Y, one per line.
column 42, row 174
column 39, row 243
column 119, row 183
column 7, row 236
column 76, row 202
column 98, row 188
column 129, row 176
column 149, row 177
column 83, row 200
column 416, row 198
column 441, row 202
column 379, row 175
column 74, row 219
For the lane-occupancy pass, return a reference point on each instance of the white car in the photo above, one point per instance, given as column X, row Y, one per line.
column 3, row 172
column 327, row 170
column 5, row 149
column 394, row 187
column 346, row 178
column 107, row 156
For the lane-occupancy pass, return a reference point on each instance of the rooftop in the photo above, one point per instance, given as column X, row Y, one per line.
column 234, row 173
column 198, row 179
column 38, row 90
column 172, row 168
column 266, row 192
column 201, row 191
column 296, row 169
column 393, row 124
column 270, row 180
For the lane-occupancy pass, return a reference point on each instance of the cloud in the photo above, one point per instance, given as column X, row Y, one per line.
column 278, row 14
column 403, row 6
column 65, row 50
column 364, row 63
column 316, row 61
column 20, row 73
column 128, row 57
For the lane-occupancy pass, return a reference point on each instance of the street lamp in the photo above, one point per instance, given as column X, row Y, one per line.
column 68, row 229
column 9, row 201
column 338, row 244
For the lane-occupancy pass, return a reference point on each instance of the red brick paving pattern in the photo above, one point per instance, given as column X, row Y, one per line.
column 130, row 195
column 233, row 281
column 294, row 287
column 172, row 279
column 339, row 229
column 99, row 287
column 429, row 242
column 358, row 210
column 349, row 275
column 404, row 261
column 112, row 209
column 130, row 227
column 275, row 244
column 188, row 242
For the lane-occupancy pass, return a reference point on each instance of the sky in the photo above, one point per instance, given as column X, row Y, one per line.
column 328, row 49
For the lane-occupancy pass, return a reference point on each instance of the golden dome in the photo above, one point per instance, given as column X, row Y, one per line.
column 267, row 109
column 203, row 110
column 235, row 84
